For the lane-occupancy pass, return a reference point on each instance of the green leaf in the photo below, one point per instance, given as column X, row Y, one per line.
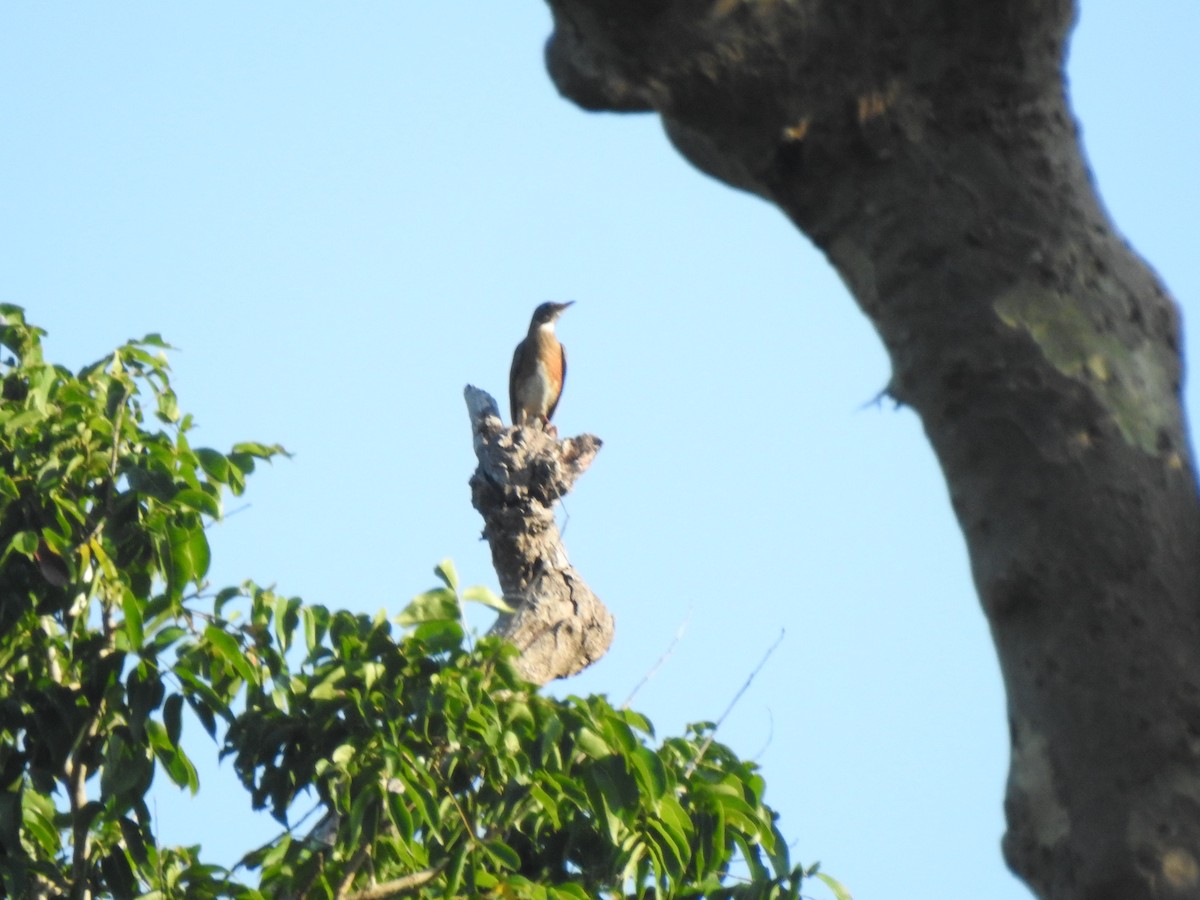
column 173, row 717
column 172, row 757
column 25, row 543
column 132, row 626
column 166, row 637
column 636, row 720
column 736, row 810
column 672, row 846
column 438, row 604
column 502, row 854
column 570, row 890
column 189, row 554
column 201, row 501
column 401, row 818
column 839, row 890
column 329, row 685
column 442, row 635
column 445, row 571
column 204, row 701
column 214, row 464
column 591, row 744
column 154, row 339
column 134, row 841
column 486, row 597
column 144, row 688
column 224, row 596
column 609, row 776
column 118, row 874
column 311, row 633
column 230, row 651
column 257, row 450
column 168, row 406
column 363, row 817
column 454, row 874
column 37, row 815
column 125, row 773
column 24, row 421
column 649, row 770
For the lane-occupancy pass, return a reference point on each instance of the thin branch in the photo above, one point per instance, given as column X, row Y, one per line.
column 228, row 515
column 75, row 775
column 77, row 793
column 712, row 735
column 398, row 887
column 770, row 737
column 666, row 655
column 352, row 867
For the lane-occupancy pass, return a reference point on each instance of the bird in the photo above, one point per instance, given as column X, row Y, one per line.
column 539, row 367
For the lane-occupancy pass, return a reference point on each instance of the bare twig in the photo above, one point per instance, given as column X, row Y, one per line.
column 398, row 887
column 75, row 776
column 352, row 868
column 666, row 655
column 732, row 703
column 770, row 737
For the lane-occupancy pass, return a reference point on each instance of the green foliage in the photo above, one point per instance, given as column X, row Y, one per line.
column 440, row 760
column 103, row 508
column 440, row 772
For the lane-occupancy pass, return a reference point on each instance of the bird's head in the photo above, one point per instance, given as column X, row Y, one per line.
column 547, row 313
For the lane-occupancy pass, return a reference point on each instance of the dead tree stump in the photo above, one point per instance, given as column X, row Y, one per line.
column 558, row 624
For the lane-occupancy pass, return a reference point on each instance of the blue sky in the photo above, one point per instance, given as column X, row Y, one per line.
column 340, row 215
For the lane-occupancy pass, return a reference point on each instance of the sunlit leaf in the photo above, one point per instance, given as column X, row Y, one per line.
column 132, row 626
column 37, row 815
column 502, row 854
column 454, row 875
column 215, row 465
column 431, row 606
column 201, row 501
column 445, row 571
column 482, row 595
column 172, row 757
column 228, row 649
column 839, row 890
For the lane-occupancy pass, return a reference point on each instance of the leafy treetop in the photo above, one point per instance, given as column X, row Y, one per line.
column 441, row 772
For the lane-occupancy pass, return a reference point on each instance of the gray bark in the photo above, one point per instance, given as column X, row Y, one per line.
column 928, row 148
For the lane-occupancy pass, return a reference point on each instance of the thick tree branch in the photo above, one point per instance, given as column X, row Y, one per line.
column 397, row 887
column 559, row 625
column 927, row 147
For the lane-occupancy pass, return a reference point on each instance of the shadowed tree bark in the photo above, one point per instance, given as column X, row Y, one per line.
column 927, row 147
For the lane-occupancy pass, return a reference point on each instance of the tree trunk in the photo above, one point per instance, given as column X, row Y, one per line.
column 927, row 147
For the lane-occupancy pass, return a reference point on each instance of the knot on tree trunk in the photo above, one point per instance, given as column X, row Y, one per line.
column 558, row 624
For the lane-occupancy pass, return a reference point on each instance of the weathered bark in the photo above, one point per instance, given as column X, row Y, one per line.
column 560, row 626
column 927, row 147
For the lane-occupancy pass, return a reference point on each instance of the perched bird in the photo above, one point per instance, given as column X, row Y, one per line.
column 539, row 366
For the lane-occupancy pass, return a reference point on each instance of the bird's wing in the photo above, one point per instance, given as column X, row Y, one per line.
column 512, row 383
column 562, row 379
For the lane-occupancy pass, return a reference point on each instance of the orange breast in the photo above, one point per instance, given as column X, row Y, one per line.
column 536, row 381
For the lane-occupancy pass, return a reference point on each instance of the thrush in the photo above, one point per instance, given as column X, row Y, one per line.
column 539, row 367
